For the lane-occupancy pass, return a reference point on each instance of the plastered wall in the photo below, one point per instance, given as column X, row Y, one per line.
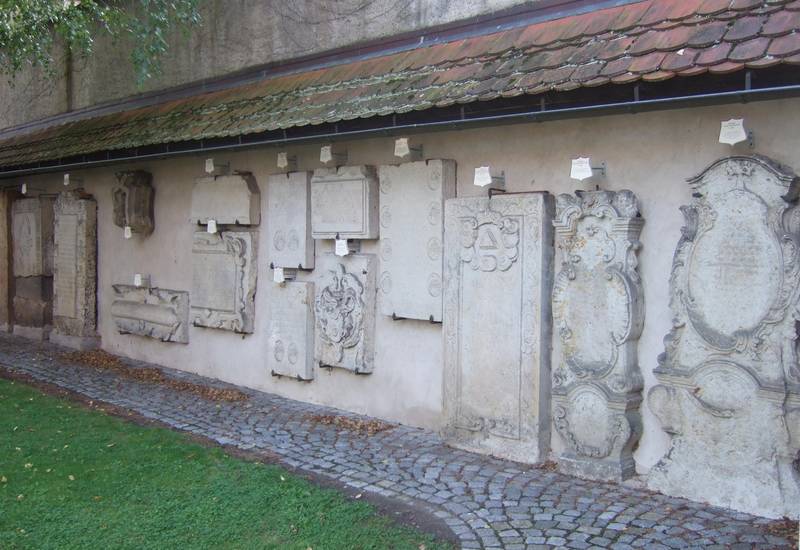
column 651, row 154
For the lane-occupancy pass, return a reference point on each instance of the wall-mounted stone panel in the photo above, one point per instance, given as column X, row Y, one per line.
column 32, row 236
column 134, row 202
column 291, row 332
column 291, row 245
column 344, row 202
column 231, row 200
column 153, row 312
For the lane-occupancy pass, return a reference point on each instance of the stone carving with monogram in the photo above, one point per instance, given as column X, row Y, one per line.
column 729, row 386
column 598, row 313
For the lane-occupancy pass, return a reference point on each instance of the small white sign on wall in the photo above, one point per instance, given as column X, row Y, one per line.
column 341, row 247
column 209, row 166
column 127, row 232
column 212, row 226
column 581, row 168
column 732, row 131
column 277, row 275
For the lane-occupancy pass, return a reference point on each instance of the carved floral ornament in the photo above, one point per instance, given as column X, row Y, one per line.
column 339, row 308
column 490, row 241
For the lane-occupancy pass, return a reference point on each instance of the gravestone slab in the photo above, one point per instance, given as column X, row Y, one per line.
column 75, row 271
column 224, row 273
column 32, row 236
column 598, row 312
column 729, row 384
column 291, row 331
column 344, row 305
column 231, row 200
column 291, row 245
column 134, row 202
column 344, row 202
column 412, row 234
column 497, row 328
column 153, row 312
column 33, row 301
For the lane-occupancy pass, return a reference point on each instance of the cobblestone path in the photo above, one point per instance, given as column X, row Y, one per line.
column 488, row 503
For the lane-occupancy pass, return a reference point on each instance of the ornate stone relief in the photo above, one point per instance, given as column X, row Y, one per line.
column 497, row 283
column 291, row 245
column 729, row 391
column 291, row 330
column 133, row 202
column 224, row 280
column 345, row 313
column 153, row 312
column 344, row 202
column 598, row 313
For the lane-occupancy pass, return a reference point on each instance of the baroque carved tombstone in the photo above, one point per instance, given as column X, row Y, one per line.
column 75, row 271
column 412, row 233
column 497, row 329
column 345, row 313
column 224, row 273
column 598, row 314
column 344, row 203
column 233, row 200
column 291, row 331
column 291, row 245
column 729, row 392
column 133, row 202
column 153, row 312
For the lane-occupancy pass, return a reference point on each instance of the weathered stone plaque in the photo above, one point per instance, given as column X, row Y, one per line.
column 75, row 271
column 598, row 314
column 729, row 392
column 497, row 283
column 344, row 202
column 133, row 202
column 344, row 305
column 32, row 236
column 224, row 273
column 154, row 312
column 33, row 305
column 412, row 234
column 226, row 200
column 291, row 245
column 291, row 331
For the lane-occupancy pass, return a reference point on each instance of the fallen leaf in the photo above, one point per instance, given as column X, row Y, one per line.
column 71, row 477
column 3, row 479
column 28, row 465
column 20, row 497
column 358, row 495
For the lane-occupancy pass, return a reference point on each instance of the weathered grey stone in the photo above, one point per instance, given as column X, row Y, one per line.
column 32, row 236
column 231, row 199
column 412, row 234
column 154, row 312
column 344, row 202
column 497, row 283
column 75, row 271
column 291, row 331
column 33, row 301
column 224, row 274
column 134, row 202
column 289, row 219
column 345, row 312
column 598, row 312
column 729, row 391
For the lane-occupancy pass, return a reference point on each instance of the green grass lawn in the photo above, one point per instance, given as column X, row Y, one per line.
column 75, row 478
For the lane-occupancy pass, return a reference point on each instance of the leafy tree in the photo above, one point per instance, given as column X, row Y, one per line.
column 31, row 30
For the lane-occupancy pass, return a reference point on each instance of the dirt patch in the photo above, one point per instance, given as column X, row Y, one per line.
column 356, row 425
column 102, row 360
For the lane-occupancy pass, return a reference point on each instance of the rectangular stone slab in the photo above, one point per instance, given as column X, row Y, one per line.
column 226, row 200
column 412, row 230
column 344, row 202
column 291, row 245
column 498, row 277
column 290, row 349
column 153, row 312
column 32, row 237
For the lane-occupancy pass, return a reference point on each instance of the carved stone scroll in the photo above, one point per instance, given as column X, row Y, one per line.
column 153, row 312
column 497, row 329
column 290, row 350
column 729, row 387
column 133, row 202
column 598, row 314
column 224, row 280
column 289, row 220
column 344, row 202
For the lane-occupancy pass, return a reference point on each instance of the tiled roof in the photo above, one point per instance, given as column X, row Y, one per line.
column 652, row 40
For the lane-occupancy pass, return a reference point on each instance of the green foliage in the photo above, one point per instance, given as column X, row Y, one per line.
column 31, row 30
column 74, row 478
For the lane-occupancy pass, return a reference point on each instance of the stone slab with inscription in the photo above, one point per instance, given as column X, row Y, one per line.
column 134, row 202
column 290, row 350
column 153, row 312
column 497, row 327
column 291, row 245
column 729, row 382
column 344, row 202
column 344, row 306
column 412, row 234
column 32, row 236
column 33, row 301
column 224, row 274
column 233, row 199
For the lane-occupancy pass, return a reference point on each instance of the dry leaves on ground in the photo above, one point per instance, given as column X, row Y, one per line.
column 785, row 528
column 357, row 425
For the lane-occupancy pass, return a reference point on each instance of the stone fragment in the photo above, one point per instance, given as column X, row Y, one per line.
column 32, row 236
column 291, row 245
column 729, row 392
column 231, row 199
column 75, row 271
column 497, row 283
column 344, row 202
column 291, row 331
column 344, row 305
column 33, row 302
column 598, row 312
column 412, row 233
column 134, row 202
column 224, row 273
column 154, row 312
